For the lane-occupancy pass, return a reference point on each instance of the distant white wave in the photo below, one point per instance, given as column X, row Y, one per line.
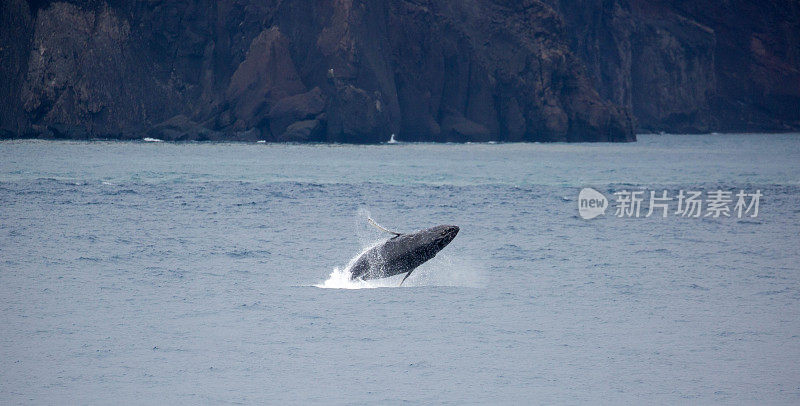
column 148, row 139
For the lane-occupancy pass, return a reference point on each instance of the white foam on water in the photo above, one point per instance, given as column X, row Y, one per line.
column 340, row 279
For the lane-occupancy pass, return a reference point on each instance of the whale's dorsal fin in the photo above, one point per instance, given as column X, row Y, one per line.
column 378, row 226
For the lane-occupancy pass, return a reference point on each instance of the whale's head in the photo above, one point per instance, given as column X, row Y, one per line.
column 438, row 237
column 403, row 253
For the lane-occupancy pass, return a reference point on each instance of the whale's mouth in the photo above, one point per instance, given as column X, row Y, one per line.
column 452, row 231
column 447, row 235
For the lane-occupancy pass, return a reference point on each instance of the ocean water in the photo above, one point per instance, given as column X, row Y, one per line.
column 142, row 273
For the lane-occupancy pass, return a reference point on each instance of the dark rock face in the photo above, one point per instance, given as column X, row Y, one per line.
column 77, row 77
column 672, row 74
column 266, row 76
column 296, row 108
column 358, row 71
column 693, row 66
column 16, row 35
column 304, row 131
column 756, row 63
column 356, row 116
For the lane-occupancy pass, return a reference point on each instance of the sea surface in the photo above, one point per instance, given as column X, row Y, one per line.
column 161, row 273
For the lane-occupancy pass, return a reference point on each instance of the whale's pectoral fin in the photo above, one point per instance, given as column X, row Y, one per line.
column 406, row 277
column 378, row 226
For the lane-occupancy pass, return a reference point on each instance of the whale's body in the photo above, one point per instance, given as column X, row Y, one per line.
column 402, row 253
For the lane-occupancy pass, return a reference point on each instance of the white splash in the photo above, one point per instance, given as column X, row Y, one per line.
column 340, row 278
column 148, row 139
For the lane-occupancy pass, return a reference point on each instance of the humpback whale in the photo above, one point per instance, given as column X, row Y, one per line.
column 402, row 253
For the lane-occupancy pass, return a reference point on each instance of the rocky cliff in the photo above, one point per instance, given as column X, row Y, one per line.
column 360, row 70
column 693, row 66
